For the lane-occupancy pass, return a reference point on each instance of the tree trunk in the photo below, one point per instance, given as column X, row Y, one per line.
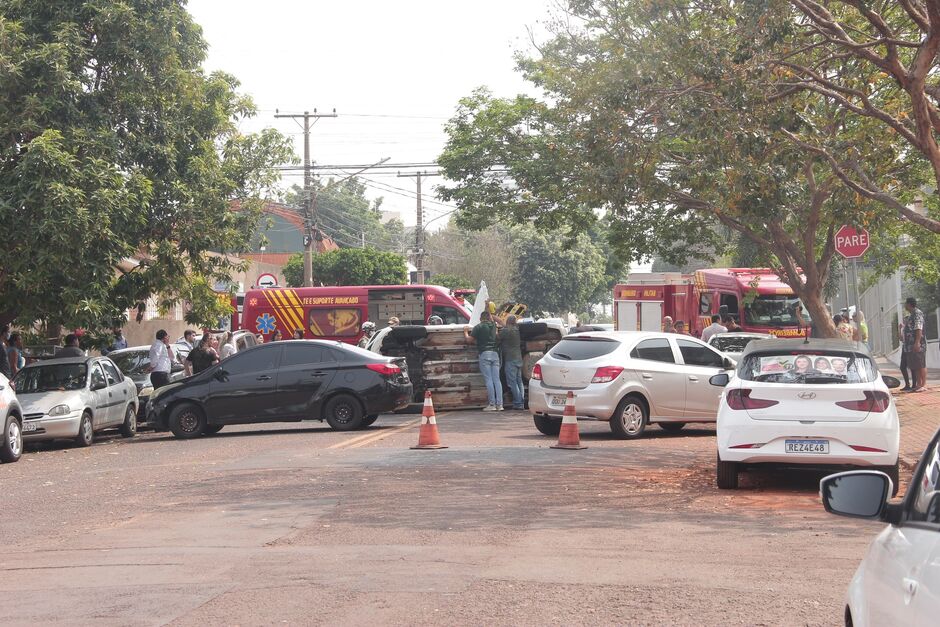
column 816, row 306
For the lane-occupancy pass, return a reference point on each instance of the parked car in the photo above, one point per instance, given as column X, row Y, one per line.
column 11, row 445
column 75, row 397
column 285, row 381
column 732, row 344
column 898, row 580
column 806, row 402
column 134, row 363
column 628, row 378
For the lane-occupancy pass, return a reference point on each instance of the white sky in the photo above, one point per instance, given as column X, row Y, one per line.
column 369, row 58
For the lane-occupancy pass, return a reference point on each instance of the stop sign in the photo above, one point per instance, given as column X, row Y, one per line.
column 851, row 242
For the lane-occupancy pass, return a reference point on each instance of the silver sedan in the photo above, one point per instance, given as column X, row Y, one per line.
column 73, row 398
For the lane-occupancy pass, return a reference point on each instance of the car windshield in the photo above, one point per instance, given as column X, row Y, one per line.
column 808, row 367
column 50, row 378
column 730, row 344
column 131, row 363
column 581, row 347
column 773, row 311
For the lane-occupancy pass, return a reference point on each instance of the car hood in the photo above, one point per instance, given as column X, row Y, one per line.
column 42, row 402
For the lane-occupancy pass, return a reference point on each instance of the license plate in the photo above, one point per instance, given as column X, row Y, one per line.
column 30, row 426
column 818, row 447
column 559, row 399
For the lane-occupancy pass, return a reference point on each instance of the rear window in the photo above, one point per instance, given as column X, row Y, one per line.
column 808, row 368
column 581, row 348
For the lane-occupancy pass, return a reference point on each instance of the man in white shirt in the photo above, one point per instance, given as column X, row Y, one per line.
column 161, row 360
column 713, row 328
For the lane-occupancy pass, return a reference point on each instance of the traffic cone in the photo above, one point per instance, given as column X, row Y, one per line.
column 568, row 437
column 428, row 437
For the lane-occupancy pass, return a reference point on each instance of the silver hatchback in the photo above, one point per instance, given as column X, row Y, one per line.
column 629, row 379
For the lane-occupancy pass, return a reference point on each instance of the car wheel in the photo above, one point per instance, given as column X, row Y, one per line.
column 727, row 475
column 630, row 420
column 894, row 473
column 671, row 427
column 86, row 431
column 546, row 424
column 213, row 429
column 369, row 420
column 129, row 428
column 187, row 421
column 12, row 445
column 343, row 413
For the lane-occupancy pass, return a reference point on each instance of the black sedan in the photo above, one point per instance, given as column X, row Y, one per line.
column 284, row 381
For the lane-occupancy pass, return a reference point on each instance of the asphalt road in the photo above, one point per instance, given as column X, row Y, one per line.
column 295, row 524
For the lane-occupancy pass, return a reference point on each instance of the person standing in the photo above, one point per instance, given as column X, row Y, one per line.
column 394, row 321
column 861, row 328
column 915, row 344
column 72, row 349
column 228, row 345
column 667, row 325
column 486, row 336
column 713, row 328
column 679, row 328
column 4, row 362
column 161, row 360
column 189, row 339
column 510, row 345
column 731, row 324
column 843, row 328
column 277, row 337
column 14, row 354
column 298, row 334
column 202, row 356
column 905, row 370
column 368, row 330
column 119, row 342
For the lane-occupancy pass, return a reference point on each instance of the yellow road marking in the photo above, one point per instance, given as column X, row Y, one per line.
column 369, row 438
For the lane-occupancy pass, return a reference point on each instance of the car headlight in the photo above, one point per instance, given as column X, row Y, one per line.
column 60, row 410
column 145, row 391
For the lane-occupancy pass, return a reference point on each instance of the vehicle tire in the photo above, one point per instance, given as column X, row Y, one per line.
column 369, row 420
column 213, row 429
column 630, row 420
column 546, row 424
column 409, row 333
column 187, row 421
column 12, row 445
column 894, row 473
column 86, row 431
column 671, row 427
column 343, row 413
column 129, row 428
column 727, row 475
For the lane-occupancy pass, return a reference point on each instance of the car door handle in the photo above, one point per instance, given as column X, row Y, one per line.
column 693, row 378
column 318, row 373
column 646, row 376
column 910, row 589
column 263, row 377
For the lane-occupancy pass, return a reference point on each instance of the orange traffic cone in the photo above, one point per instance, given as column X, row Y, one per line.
column 428, row 437
column 568, row 437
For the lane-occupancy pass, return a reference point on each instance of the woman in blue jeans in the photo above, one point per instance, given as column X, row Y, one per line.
column 486, row 337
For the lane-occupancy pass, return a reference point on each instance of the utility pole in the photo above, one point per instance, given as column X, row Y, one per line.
column 419, row 226
column 311, row 226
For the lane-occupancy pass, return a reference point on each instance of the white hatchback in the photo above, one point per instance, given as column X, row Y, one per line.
column 806, row 402
column 898, row 581
column 629, row 378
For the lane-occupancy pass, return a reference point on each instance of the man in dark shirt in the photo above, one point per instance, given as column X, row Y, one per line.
column 201, row 357
column 72, row 348
column 510, row 345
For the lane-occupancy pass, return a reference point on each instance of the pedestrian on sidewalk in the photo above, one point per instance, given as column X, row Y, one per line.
column 714, row 328
column 679, row 327
column 915, row 343
column 861, row 328
column 486, row 336
column 298, row 334
column 843, row 328
column 202, row 356
column 278, row 336
column 228, row 345
column 161, row 360
column 511, row 348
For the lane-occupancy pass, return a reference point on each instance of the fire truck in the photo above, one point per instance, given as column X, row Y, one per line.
column 755, row 297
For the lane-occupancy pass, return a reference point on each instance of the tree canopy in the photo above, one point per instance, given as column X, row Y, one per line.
column 115, row 145
column 350, row 266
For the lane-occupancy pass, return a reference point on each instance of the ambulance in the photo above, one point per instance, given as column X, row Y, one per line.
column 755, row 297
column 337, row 313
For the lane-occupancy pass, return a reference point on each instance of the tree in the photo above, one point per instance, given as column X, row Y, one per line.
column 115, row 146
column 483, row 255
column 660, row 115
column 351, row 266
column 452, row 282
column 552, row 277
column 293, row 270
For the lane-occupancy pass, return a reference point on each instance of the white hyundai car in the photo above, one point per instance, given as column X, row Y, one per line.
column 898, row 581
column 629, row 379
column 806, row 402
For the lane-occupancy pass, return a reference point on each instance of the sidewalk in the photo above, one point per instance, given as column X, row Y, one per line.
column 919, row 414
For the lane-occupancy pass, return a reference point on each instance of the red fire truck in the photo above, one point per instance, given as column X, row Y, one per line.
column 755, row 297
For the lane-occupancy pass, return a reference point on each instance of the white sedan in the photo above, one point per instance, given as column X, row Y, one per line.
column 898, row 581
column 806, row 402
column 628, row 378
column 74, row 397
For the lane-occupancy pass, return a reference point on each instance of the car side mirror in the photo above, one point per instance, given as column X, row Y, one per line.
column 220, row 374
column 720, row 380
column 856, row 494
column 728, row 363
column 891, row 382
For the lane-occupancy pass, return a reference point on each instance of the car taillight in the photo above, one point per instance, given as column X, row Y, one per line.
column 537, row 372
column 741, row 399
column 386, row 370
column 606, row 374
column 873, row 401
